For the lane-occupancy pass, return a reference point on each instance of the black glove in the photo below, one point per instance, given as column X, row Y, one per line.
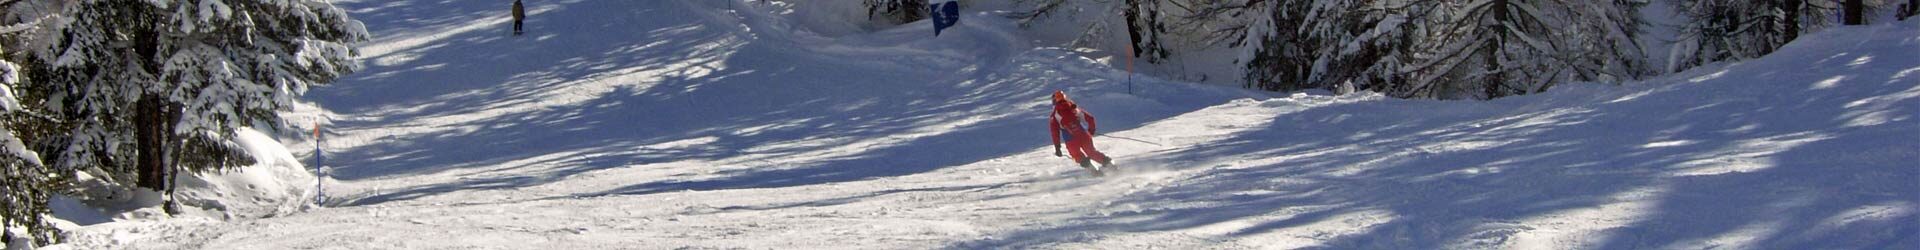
column 1056, row 151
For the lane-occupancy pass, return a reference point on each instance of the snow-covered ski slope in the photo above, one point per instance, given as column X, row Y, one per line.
column 726, row 124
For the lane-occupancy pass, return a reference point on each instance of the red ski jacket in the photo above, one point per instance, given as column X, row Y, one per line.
column 1066, row 118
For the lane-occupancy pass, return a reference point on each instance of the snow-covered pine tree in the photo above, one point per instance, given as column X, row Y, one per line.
column 1290, row 45
column 1723, row 30
column 24, row 181
column 1606, row 47
column 1475, row 50
column 1425, row 49
column 1364, row 42
column 1495, row 48
column 1277, row 58
column 143, row 87
column 1145, row 28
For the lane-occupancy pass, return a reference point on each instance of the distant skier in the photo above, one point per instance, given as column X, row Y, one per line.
column 1065, row 125
column 519, row 14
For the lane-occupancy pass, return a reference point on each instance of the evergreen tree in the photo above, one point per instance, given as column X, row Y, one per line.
column 1432, row 49
column 1309, row 44
column 1145, row 26
column 1496, row 48
column 145, row 89
column 1277, row 58
column 1723, row 30
column 1358, row 42
column 24, row 181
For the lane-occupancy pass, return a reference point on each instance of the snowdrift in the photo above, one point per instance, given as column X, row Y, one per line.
column 276, row 185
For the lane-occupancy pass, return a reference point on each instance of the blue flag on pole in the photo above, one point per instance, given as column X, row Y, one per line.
column 945, row 15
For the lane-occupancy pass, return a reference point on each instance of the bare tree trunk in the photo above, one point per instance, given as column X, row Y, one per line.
column 153, row 132
column 1908, row 10
column 150, row 141
column 1792, row 21
column 150, row 131
column 1494, row 70
column 1855, row 12
column 1145, row 29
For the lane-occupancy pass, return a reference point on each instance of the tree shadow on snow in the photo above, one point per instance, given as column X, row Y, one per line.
column 759, row 115
column 1762, row 158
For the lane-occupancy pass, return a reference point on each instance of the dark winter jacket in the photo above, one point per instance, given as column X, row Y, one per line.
column 519, row 12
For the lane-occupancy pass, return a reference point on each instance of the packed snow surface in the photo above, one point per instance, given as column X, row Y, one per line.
column 727, row 124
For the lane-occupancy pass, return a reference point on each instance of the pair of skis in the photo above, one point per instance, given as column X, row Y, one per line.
column 1102, row 170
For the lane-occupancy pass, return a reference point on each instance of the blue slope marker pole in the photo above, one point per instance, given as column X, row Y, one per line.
column 320, row 194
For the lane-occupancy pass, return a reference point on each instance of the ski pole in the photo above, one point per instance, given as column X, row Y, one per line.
column 1132, row 139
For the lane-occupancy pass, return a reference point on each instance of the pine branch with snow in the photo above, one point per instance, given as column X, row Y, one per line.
column 25, row 183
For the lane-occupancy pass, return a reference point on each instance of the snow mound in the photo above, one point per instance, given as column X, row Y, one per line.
column 276, row 184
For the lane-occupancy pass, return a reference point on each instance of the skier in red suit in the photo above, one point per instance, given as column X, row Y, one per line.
column 1065, row 125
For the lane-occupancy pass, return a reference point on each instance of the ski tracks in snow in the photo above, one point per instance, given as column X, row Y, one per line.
column 669, row 124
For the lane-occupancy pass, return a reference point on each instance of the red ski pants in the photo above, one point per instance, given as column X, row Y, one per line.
column 1080, row 146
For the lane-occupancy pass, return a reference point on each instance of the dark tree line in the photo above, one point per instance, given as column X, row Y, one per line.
column 1427, row 49
column 1724, row 30
column 1459, row 49
column 896, row 11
